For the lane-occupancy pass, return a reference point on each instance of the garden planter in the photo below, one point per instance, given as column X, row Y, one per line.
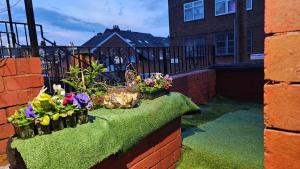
column 43, row 129
column 57, row 124
column 154, row 95
column 82, row 116
column 70, row 121
column 24, row 132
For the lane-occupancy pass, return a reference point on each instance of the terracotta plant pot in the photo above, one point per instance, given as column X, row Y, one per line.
column 24, row 132
column 70, row 121
column 154, row 95
column 57, row 124
column 82, row 116
column 42, row 130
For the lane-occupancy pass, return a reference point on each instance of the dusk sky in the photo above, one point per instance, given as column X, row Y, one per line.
column 78, row 20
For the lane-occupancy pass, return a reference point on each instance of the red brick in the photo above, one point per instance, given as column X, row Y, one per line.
column 282, row 106
column 282, row 150
column 11, row 110
column 171, row 147
column 3, row 144
column 33, row 92
column 3, row 116
column 13, row 83
column 282, row 16
column 8, row 67
column 148, row 162
column 22, row 65
column 168, row 161
column 35, row 65
column 278, row 47
column 2, row 88
column 14, row 98
column 7, row 130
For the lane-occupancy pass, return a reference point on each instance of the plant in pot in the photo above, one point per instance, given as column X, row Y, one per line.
column 88, row 81
column 155, row 86
column 84, row 104
column 23, row 122
column 44, row 106
column 70, row 106
column 57, row 121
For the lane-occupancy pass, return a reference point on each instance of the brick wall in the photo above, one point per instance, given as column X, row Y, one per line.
column 242, row 83
column 282, row 93
column 160, row 150
column 20, row 81
column 198, row 85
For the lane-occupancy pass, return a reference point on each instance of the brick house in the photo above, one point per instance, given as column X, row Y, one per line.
column 119, row 47
column 201, row 22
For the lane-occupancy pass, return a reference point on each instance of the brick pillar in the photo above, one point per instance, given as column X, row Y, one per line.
column 282, row 94
column 20, row 81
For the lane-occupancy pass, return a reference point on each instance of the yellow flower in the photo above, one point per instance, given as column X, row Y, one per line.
column 156, row 84
column 45, row 121
column 138, row 79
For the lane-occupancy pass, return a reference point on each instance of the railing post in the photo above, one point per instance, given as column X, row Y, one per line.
column 13, row 38
column 31, row 27
column 165, row 61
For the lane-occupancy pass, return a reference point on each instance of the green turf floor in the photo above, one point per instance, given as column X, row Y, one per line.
column 226, row 134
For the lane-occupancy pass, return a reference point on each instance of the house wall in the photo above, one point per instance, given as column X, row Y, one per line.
column 20, row 81
column 211, row 24
column 282, row 92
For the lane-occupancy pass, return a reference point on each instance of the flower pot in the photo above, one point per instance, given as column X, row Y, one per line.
column 24, row 132
column 82, row 116
column 154, row 95
column 57, row 124
column 43, row 129
column 70, row 121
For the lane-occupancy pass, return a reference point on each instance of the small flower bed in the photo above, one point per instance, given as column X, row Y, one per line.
column 155, row 86
column 46, row 113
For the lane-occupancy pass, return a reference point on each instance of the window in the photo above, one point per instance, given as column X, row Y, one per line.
column 248, row 4
column 224, row 43
column 223, row 7
column 193, row 10
column 192, row 44
column 249, row 42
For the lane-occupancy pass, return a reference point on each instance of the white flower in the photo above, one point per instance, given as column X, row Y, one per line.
column 59, row 90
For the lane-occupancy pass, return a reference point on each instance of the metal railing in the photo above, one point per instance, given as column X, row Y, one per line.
column 56, row 60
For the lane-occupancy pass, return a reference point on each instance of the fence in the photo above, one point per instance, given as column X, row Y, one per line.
column 56, row 60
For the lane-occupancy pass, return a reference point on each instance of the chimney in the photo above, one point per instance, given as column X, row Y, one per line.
column 116, row 28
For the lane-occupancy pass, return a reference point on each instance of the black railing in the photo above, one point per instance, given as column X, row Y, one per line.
column 56, row 60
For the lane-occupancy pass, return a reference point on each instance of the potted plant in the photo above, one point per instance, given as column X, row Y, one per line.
column 22, row 121
column 44, row 106
column 155, row 86
column 57, row 122
column 68, row 112
column 84, row 103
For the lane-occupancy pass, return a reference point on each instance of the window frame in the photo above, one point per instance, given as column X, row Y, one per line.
column 227, row 8
column 193, row 7
column 226, row 43
column 249, row 9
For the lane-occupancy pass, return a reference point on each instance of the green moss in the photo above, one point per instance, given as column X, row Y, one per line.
column 227, row 135
column 111, row 131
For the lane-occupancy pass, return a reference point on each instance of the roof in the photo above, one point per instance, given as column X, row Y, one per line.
column 133, row 39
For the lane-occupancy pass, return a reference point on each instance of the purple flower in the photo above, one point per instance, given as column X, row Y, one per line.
column 29, row 113
column 84, row 100
column 149, row 82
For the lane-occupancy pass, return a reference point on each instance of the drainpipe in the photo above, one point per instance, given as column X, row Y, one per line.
column 31, row 27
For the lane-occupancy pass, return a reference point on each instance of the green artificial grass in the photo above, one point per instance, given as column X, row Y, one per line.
column 110, row 132
column 226, row 134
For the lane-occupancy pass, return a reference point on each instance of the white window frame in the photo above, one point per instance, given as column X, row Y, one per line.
column 249, row 9
column 193, row 6
column 226, row 7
